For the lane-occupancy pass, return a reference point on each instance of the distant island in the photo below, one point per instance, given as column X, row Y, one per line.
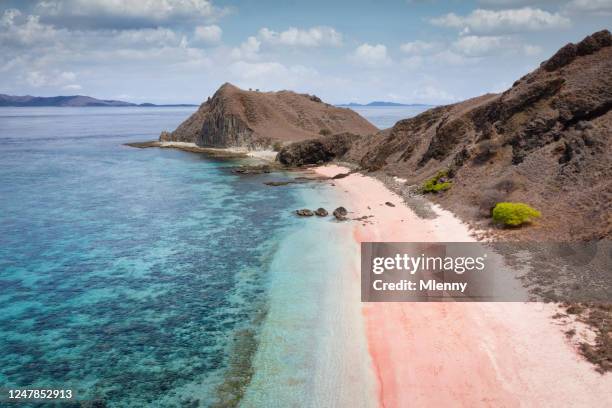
column 70, row 101
column 382, row 103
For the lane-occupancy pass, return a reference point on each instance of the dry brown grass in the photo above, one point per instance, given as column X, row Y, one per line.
column 599, row 317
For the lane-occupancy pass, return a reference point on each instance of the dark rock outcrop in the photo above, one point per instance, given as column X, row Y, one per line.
column 304, row 212
column 321, row 212
column 316, row 151
column 569, row 52
column 340, row 213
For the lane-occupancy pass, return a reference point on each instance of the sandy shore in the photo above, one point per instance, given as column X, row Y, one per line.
column 461, row 354
column 229, row 152
column 267, row 155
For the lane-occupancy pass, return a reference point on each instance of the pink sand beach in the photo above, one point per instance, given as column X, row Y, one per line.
column 460, row 354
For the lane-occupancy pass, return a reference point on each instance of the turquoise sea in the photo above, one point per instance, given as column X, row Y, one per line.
column 151, row 277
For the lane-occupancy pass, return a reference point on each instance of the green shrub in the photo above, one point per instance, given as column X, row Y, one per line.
column 514, row 214
column 437, row 183
column 325, row 132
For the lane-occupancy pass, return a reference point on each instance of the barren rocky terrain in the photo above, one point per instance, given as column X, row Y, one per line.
column 233, row 117
column 545, row 142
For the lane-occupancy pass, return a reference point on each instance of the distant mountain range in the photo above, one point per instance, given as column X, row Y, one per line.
column 382, row 103
column 82, row 100
column 68, row 101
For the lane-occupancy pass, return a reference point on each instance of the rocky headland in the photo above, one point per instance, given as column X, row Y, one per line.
column 234, row 117
column 545, row 141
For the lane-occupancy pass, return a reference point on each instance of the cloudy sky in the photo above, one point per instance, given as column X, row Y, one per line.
column 174, row 51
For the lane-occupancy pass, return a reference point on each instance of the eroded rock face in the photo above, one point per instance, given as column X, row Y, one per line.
column 237, row 118
column 569, row 52
column 230, row 130
column 316, row 151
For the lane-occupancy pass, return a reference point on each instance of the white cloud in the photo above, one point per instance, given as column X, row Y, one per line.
column 73, row 87
column 419, row 47
column 484, row 46
column 432, row 93
column 68, row 76
column 248, row 49
column 9, row 16
column 20, row 30
column 514, row 3
column 449, row 57
column 313, row 37
column 413, row 62
column 252, row 70
column 39, row 79
column 513, row 20
column 38, row 55
column 477, row 46
column 271, row 75
column 22, row 34
column 427, row 90
column 145, row 36
column 208, row 34
column 371, row 55
column 36, row 79
column 532, row 50
column 600, row 7
column 127, row 12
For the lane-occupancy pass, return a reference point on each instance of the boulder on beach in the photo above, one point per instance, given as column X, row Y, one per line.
column 340, row 213
column 321, row 212
column 304, row 212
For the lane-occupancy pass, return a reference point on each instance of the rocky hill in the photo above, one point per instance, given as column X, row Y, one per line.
column 237, row 118
column 546, row 141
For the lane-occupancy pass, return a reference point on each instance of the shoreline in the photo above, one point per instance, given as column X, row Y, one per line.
column 309, row 351
column 469, row 354
column 225, row 152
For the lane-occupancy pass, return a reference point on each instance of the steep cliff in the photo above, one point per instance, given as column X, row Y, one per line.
column 237, row 118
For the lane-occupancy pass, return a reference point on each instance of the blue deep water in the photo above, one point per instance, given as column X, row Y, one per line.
column 129, row 275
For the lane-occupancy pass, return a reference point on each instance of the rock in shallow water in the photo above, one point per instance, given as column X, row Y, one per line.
column 340, row 213
column 321, row 212
column 304, row 212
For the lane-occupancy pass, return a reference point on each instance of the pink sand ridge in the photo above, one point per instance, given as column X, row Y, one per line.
column 461, row 354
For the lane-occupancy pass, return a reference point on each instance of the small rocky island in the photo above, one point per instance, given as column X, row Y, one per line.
column 233, row 117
